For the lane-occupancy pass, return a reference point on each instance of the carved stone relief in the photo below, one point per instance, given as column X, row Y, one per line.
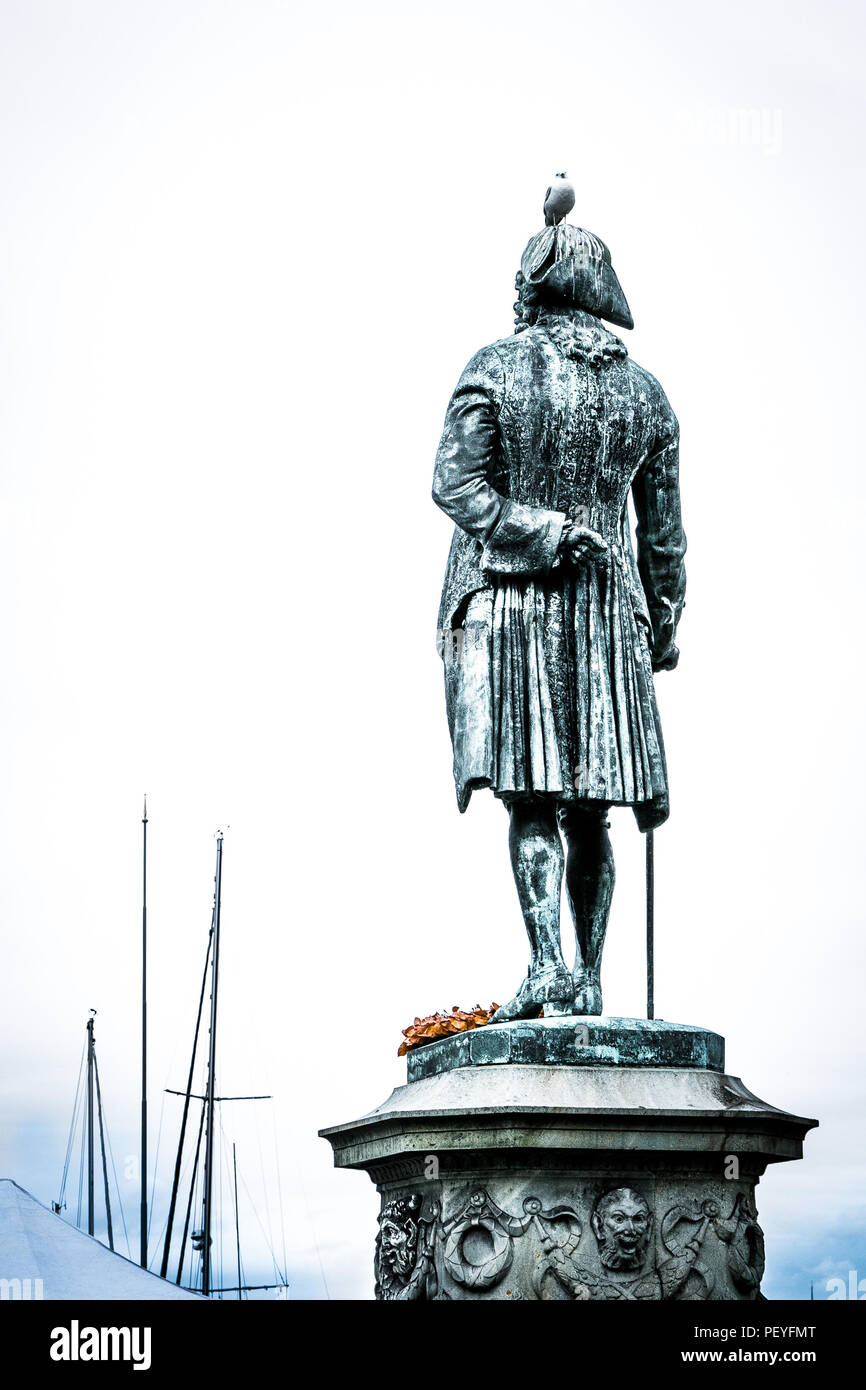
column 611, row 1253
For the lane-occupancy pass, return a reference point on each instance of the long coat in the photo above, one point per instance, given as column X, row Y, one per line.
column 549, row 663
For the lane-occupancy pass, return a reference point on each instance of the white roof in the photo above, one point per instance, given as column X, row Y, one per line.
column 35, row 1243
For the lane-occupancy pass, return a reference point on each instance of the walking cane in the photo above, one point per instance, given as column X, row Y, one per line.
column 650, row 927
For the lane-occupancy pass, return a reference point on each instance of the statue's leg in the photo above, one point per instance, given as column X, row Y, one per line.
column 589, row 882
column 538, row 862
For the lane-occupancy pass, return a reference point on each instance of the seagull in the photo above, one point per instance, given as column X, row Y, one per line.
column 558, row 200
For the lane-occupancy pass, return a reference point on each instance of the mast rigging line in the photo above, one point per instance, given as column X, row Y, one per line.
column 218, row 1205
column 88, row 1110
column 102, row 1150
column 193, row 1182
column 155, row 1169
column 160, row 1244
column 280, row 1195
column 282, row 1274
column 143, row 1213
column 211, row 1079
column 194, row 1279
column 224, row 1142
column 81, row 1167
column 72, row 1126
column 264, row 1181
column 187, row 1094
column 117, row 1188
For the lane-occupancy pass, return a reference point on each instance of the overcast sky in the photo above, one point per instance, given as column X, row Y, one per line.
column 247, row 249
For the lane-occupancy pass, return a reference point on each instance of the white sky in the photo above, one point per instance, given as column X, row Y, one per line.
column 247, row 249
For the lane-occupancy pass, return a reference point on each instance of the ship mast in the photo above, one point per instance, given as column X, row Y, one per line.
column 237, row 1221
column 187, row 1097
column 92, row 1093
column 202, row 1239
column 89, row 1125
column 211, row 1081
column 144, row 1042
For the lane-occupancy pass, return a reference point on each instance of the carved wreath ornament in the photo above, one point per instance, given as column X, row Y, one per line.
column 483, row 1214
column 477, row 1247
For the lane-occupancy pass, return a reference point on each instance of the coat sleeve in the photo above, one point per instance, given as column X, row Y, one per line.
column 661, row 541
column 516, row 539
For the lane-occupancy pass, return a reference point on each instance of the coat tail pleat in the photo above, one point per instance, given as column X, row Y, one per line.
column 564, row 683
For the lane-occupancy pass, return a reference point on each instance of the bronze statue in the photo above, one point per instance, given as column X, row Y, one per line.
column 550, row 629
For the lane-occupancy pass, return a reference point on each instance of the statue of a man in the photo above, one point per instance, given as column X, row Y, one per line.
column 549, row 629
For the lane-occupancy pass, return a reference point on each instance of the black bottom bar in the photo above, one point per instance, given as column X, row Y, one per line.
column 222, row 1337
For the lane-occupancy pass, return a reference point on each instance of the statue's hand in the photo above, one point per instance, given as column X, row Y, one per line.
column 582, row 543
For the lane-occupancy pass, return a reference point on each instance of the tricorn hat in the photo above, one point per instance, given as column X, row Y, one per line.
column 567, row 265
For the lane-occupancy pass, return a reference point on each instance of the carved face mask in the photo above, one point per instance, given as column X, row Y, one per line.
column 622, row 1226
column 398, row 1246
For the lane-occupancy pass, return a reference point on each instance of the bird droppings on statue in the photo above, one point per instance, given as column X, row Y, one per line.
column 558, row 200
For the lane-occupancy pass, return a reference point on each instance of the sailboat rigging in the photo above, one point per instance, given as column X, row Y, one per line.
column 143, row 1165
column 88, row 1116
column 202, row 1238
column 85, row 1114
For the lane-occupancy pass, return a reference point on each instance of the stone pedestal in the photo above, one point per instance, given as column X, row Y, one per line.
column 580, row 1158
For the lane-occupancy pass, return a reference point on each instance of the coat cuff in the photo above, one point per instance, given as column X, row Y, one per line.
column 525, row 541
column 664, row 623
